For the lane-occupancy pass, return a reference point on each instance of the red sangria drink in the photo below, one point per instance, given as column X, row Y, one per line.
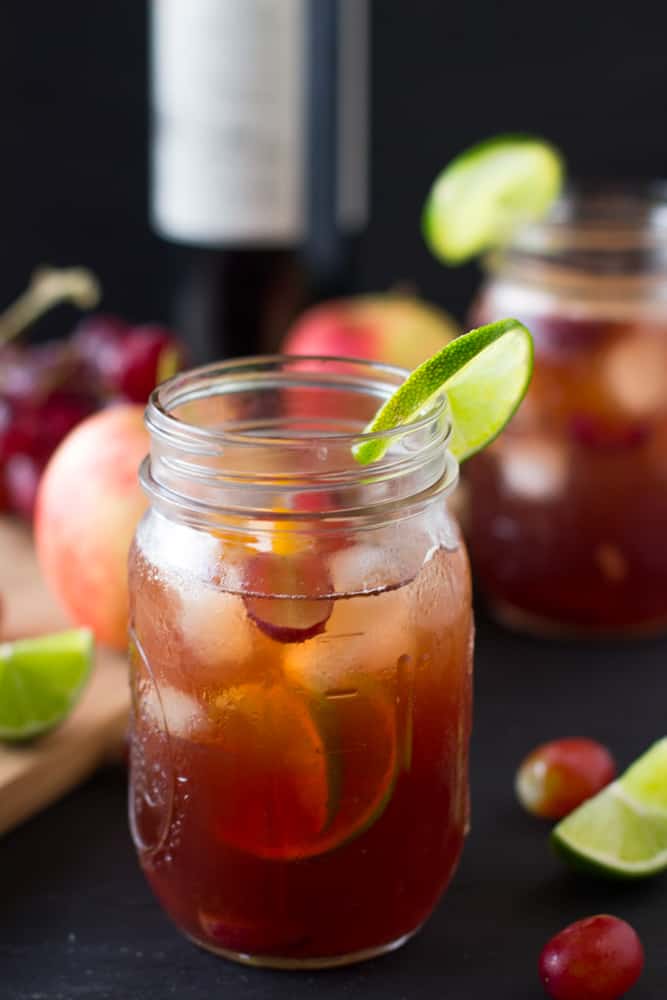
column 568, row 508
column 301, row 644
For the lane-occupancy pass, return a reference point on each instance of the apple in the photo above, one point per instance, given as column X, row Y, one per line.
column 88, row 505
column 394, row 328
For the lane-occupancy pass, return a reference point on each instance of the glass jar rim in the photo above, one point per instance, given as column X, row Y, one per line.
column 598, row 229
column 161, row 421
column 246, row 467
column 589, row 208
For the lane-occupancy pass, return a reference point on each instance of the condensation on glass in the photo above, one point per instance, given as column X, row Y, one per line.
column 301, row 642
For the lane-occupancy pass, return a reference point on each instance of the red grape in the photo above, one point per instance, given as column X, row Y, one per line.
column 557, row 777
column 599, row 958
column 148, row 355
column 290, row 617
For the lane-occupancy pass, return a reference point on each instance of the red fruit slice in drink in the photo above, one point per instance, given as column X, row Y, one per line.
column 288, row 613
column 289, row 619
column 313, row 503
column 297, row 776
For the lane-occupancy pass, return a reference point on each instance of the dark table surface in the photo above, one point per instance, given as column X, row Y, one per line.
column 77, row 919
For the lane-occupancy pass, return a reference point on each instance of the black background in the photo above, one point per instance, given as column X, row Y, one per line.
column 591, row 76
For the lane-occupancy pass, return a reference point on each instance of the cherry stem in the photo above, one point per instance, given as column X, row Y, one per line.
column 48, row 287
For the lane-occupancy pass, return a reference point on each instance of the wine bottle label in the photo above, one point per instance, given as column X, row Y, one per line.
column 230, row 81
column 228, row 144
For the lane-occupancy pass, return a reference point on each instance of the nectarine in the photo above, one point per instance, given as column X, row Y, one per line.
column 393, row 328
column 88, row 505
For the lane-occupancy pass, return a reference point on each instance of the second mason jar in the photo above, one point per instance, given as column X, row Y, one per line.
column 569, row 507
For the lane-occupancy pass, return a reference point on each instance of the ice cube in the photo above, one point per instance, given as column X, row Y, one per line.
column 178, row 547
column 533, row 467
column 365, row 635
column 635, row 372
column 361, row 568
column 216, row 632
column 173, row 710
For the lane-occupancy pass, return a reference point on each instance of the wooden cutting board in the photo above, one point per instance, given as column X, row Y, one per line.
column 35, row 774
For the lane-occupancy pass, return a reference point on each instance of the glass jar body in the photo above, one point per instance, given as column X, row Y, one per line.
column 568, row 507
column 300, row 799
column 301, row 656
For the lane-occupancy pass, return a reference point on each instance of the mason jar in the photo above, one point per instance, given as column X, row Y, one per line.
column 301, row 643
column 569, row 506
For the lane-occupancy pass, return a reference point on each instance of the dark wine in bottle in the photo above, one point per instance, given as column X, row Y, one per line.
column 259, row 161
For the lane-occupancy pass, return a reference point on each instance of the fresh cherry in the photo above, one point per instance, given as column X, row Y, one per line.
column 28, row 375
column 128, row 361
column 98, row 340
column 16, row 432
column 148, row 355
column 36, row 429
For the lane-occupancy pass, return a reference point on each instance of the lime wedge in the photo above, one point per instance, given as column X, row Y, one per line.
column 622, row 831
column 484, row 373
column 486, row 192
column 40, row 681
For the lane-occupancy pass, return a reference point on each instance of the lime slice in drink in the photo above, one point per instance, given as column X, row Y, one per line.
column 40, row 681
column 273, row 787
column 485, row 374
column 622, row 831
column 486, row 192
column 297, row 775
column 361, row 740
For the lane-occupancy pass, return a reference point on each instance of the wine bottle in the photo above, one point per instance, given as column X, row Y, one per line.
column 259, row 150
